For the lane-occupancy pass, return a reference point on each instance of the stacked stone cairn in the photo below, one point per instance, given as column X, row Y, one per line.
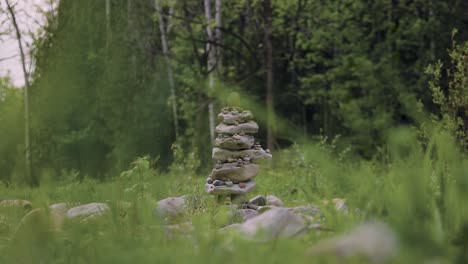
column 236, row 154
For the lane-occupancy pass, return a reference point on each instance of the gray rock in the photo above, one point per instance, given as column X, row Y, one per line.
column 235, row 142
column 253, row 154
column 273, row 224
column 87, row 211
column 373, row 240
column 171, row 207
column 247, row 214
column 262, row 209
column 259, row 200
column 249, row 127
column 234, row 189
column 16, row 203
column 234, row 117
column 235, row 172
column 228, row 183
column 218, row 183
column 60, row 208
column 273, row 200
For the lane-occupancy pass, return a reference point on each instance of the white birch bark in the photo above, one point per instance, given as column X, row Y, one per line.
column 27, row 141
column 170, row 74
column 210, row 65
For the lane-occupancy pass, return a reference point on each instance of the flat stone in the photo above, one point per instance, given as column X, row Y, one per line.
column 249, row 127
column 235, row 142
column 273, row 200
column 274, row 223
column 235, row 172
column 234, row 117
column 234, row 189
column 171, row 207
column 372, row 240
column 16, row 203
column 253, row 154
column 87, row 210
column 259, row 200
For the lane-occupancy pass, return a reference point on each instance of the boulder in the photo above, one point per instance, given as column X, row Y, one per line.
column 259, row 200
column 372, row 240
column 274, row 223
column 171, row 207
column 249, row 127
column 234, row 116
column 252, row 154
column 273, row 200
column 16, row 203
column 235, row 142
column 247, row 214
column 235, row 172
column 237, row 188
column 87, row 211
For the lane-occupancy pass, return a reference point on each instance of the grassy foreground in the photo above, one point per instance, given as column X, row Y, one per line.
column 421, row 191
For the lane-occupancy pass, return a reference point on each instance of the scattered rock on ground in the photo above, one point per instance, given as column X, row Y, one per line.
column 248, row 214
column 16, row 203
column 259, row 200
column 274, row 223
column 87, row 211
column 171, row 207
column 273, row 200
column 373, row 240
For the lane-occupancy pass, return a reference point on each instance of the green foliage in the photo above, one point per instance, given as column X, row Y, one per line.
column 141, row 172
column 419, row 191
column 452, row 99
column 11, row 132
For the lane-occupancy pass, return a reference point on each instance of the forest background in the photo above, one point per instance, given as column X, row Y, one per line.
column 117, row 80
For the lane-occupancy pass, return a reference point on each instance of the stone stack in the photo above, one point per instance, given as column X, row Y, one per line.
column 236, row 153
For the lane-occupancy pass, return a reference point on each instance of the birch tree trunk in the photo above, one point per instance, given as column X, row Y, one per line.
column 269, row 73
column 218, row 21
column 30, row 176
column 108, row 24
column 211, row 62
column 170, row 74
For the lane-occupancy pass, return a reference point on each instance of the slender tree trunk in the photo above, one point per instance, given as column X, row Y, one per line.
column 218, row 33
column 131, row 38
column 269, row 73
column 108, row 23
column 29, row 174
column 211, row 62
column 170, row 74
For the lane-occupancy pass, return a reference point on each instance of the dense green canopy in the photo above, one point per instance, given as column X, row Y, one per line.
column 101, row 95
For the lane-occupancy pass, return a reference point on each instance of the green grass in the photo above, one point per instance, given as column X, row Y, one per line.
column 420, row 191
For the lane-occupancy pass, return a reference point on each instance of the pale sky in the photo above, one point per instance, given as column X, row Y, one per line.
column 29, row 17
